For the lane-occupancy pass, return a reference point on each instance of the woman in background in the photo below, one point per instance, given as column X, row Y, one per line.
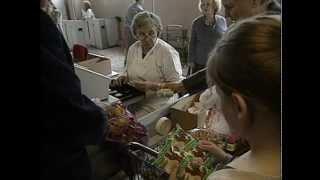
column 206, row 31
column 133, row 9
column 87, row 12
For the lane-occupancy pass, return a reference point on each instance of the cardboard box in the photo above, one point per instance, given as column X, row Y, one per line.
column 97, row 64
column 179, row 114
column 94, row 76
column 93, row 84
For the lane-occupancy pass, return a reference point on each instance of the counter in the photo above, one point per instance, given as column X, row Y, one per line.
column 149, row 120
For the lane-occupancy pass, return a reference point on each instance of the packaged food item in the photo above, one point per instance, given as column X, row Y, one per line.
column 209, row 166
column 181, row 138
column 183, row 170
column 228, row 142
column 181, row 157
column 117, row 110
column 169, row 157
column 123, row 127
column 165, row 93
column 170, row 154
column 194, row 168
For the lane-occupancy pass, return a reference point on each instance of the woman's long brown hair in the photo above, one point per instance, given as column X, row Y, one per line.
column 248, row 60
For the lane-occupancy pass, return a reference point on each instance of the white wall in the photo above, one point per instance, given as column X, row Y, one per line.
column 177, row 11
column 110, row 8
column 170, row 11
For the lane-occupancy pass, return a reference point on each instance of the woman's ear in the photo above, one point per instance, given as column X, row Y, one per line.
column 241, row 108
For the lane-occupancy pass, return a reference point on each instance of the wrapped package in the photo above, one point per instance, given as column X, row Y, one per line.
column 122, row 126
column 182, row 159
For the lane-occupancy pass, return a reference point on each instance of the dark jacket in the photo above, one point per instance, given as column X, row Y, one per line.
column 68, row 120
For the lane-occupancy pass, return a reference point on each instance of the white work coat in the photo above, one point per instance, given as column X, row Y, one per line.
column 161, row 63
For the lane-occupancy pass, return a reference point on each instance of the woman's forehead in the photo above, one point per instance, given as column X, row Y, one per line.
column 147, row 27
column 207, row 1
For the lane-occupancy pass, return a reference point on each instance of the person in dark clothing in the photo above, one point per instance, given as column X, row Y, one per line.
column 236, row 10
column 68, row 120
column 206, row 30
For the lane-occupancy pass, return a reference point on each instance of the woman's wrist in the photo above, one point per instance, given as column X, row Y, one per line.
column 222, row 155
column 227, row 158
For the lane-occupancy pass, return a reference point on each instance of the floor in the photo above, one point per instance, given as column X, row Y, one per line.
column 116, row 54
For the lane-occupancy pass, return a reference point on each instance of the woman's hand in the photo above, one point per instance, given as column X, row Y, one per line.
column 120, row 81
column 146, row 85
column 154, row 86
column 174, row 86
column 215, row 150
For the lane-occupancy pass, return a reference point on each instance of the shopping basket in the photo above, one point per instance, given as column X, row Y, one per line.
column 140, row 158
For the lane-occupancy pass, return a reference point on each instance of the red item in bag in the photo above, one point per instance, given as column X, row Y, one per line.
column 80, row 53
column 123, row 127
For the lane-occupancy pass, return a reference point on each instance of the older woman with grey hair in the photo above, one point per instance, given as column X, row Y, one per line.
column 151, row 62
column 206, row 31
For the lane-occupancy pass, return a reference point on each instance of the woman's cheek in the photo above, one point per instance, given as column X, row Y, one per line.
column 230, row 117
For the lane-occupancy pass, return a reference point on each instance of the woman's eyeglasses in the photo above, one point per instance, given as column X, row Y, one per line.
column 142, row 35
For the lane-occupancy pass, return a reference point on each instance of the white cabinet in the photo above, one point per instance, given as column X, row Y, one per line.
column 98, row 33
column 92, row 41
column 93, row 84
column 94, row 74
column 66, row 32
column 76, row 32
column 112, row 31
